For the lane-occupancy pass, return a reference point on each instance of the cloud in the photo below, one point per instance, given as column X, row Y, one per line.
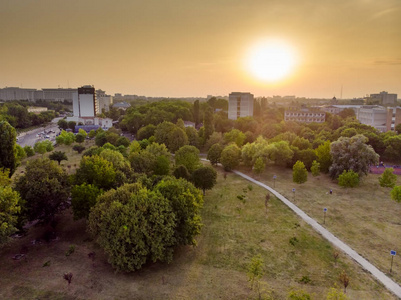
column 388, row 62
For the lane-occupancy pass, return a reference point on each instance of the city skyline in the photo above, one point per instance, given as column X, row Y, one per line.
column 181, row 49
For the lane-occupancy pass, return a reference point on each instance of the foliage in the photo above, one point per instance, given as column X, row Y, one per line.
column 123, row 141
column 215, row 138
column 324, row 156
column 186, row 202
column 100, row 139
column 5, row 179
column 78, row 148
column 208, row 123
column 79, row 138
column 20, row 153
column 29, row 151
column 230, row 157
column 83, row 198
column 58, row 156
column 43, row 146
column 234, row 136
column 315, row 169
column 298, row 295
column 396, row 194
column 193, row 136
column 352, row 154
column 146, row 132
column 162, row 166
column 62, row 123
column 299, row 173
column 214, row 154
column 141, row 222
column 204, row 178
column 171, row 135
column 280, row 153
column 44, row 187
column 158, row 150
column 181, row 172
column 348, row 179
column 9, row 210
column 252, row 151
column 344, row 279
column 8, row 136
column 142, row 162
column 66, row 138
column 336, row 294
column 388, row 179
column 188, row 156
column 97, row 171
column 255, row 273
column 259, row 166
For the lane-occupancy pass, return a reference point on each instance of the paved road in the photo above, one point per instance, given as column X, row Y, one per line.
column 386, row 281
column 29, row 138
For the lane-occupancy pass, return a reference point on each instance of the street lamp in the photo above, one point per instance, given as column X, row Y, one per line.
column 293, row 190
column 274, row 181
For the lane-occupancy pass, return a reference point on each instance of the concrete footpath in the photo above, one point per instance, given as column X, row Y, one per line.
column 379, row 275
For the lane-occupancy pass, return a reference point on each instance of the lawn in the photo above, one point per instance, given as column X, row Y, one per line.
column 364, row 217
column 234, row 231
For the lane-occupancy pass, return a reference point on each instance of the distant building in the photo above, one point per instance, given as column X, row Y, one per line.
column 383, row 98
column 393, row 118
column 91, row 123
column 122, row 105
column 58, row 94
column 16, row 93
column 304, row 115
column 375, row 116
column 189, row 124
column 84, row 102
column 240, row 105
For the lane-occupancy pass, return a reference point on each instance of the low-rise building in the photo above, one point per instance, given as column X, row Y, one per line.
column 375, row 116
column 393, row 118
column 304, row 115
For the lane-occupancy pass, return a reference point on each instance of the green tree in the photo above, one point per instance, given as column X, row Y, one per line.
column 79, row 138
column 78, row 148
column 146, row 132
column 193, row 136
column 315, row 169
column 20, row 153
column 215, row 138
column 298, row 295
column 259, row 166
column 43, row 146
column 299, row 173
column 92, row 134
column 9, row 210
column 123, row 141
column 396, row 194
column 234, row 136
column 43, row 187
column 83, row 198
column 62, row 123
column 208, row 123
column 324, row 156
column 204, row 178
column 186, row 202
column 188, row 156
column 29, row 151
column 171, row 135
column 143, row 162
column 336, row 294
column 162, row 166
column 100, row 139
column 181, row 172
column 280, row 153
column 58, row 156
column 5, row 179
column 388, row 179
column 255, row 273
column 348, row 179
column 97, row 171
column 230, row 157
column 214, row 154
column 141, row 222
column 196, row 112
column 8, row 137
column 66, row 138
column 352, row 154
column 71, row 125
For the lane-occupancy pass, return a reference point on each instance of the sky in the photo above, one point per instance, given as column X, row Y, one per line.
column 188, row 48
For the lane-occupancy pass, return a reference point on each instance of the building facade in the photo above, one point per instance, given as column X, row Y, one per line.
column 375, row 116
column 240, row 105
column 16, row 93
column 393, row 118
column 84, row 102
column 383, row 98
column 304, row 115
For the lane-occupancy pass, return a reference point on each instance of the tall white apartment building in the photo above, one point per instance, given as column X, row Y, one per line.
column 84, row 102
column 240, row 105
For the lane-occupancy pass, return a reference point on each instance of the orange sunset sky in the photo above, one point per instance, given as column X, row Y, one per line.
column 179, row 48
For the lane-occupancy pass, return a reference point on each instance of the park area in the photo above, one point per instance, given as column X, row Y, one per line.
column 238, row 226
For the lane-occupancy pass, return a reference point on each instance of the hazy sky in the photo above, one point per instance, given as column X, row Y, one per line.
column 195, row 48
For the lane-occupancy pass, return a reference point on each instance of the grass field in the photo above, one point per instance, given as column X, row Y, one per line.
column 216, row 268
column 364, row 217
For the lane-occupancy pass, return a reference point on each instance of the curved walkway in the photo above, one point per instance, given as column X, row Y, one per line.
column 380, row 276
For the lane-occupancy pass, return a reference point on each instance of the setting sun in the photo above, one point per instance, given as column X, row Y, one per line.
column 271, row 61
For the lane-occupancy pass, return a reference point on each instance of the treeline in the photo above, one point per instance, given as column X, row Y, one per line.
column 16, row 113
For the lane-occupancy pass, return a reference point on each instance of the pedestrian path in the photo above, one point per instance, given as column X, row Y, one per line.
column 379, row 275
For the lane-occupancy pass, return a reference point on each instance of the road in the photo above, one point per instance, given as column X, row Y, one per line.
column 29, row 138
column 379, row 275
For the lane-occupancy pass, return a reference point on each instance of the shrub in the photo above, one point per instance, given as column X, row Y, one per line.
column 388, row 179
column 348, row 179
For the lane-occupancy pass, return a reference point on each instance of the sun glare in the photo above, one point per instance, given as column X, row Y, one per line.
column 271, row 61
